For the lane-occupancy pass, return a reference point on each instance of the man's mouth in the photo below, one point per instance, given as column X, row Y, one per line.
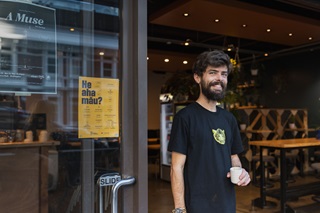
column 217, row 86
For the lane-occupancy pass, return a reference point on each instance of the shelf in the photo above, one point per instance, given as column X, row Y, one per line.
column 244, row 86
column 246, row 107
column 295, row 129
column 272, row 123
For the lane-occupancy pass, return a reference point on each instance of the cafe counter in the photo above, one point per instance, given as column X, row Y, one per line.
column 24, row 176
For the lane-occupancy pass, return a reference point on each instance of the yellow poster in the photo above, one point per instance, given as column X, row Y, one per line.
column 98, row 107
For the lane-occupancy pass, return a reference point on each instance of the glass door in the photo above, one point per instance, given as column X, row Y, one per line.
column 68, row 79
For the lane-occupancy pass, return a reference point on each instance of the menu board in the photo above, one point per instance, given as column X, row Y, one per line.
column 27, row 48
column 98, row 107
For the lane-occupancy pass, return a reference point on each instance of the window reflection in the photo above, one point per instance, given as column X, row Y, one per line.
column 47, row 102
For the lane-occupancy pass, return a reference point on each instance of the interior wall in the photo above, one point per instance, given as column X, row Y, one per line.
column 300, row 82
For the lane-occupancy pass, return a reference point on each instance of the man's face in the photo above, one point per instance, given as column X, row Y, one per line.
column 214, row 82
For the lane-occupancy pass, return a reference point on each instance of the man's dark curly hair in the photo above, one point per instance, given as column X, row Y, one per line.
column 215, row 58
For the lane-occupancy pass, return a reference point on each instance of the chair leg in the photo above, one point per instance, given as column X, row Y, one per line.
column 254, row 175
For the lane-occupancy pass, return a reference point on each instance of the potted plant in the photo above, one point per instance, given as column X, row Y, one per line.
column 182, row 86
column 242, row 124
column 292, row 120
column 254, row 67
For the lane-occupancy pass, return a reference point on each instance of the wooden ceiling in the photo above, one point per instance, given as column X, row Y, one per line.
column 294, row 26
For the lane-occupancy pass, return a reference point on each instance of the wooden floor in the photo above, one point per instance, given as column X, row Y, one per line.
column 160, row 197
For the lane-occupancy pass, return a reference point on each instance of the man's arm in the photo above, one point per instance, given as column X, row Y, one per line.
column 235, row 161
column 177, row 180
column 244, row 177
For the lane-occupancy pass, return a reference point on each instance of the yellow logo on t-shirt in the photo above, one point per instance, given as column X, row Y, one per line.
column 219, row 136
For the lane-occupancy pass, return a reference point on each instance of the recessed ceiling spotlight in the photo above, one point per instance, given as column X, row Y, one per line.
column 187, row 42
column 186, row 14
column 101, row 53
column 230, row 47
column 310, row 38
column 72, row 29
column 185, row 62
column 166, row 60
column 216, row 20
column 244, row 25
column 290, row 34
column 268, row 30
column 266, row 54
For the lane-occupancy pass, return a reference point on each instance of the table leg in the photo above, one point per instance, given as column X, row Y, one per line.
column 283, row 180
column 262, row 180
column 261, row 202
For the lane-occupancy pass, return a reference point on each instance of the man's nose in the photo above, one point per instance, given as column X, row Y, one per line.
column 218, row 76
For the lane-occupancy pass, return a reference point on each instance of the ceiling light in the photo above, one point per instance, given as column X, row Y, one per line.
column 186, row 14
column 244, row 25
column 230, row 47
column 310, row 38
column 166, row 60
column 101, row 53
column 72, row 29
column 185, row 62
column 268, row 30
column 216, row 20
column 147, row 58
column 290, row 34
column 266, row 54
column 187, row 42
column 168, row 42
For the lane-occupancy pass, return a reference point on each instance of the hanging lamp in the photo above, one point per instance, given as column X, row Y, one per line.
column 254, row 66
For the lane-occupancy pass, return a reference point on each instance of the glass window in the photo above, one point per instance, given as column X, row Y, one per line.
column 45, row 46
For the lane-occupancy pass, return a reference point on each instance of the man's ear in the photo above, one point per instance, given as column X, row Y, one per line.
column 197, row 78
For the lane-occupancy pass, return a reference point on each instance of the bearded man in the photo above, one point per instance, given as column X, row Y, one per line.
column 205, row 143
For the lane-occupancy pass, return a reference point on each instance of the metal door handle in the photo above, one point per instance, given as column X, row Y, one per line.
column 126, row 181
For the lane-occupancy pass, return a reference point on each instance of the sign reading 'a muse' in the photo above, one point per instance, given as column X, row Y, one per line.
column 28, row 53
column 25, row 19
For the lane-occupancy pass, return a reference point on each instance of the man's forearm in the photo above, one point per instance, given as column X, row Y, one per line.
column 177, row 186
column 235, row 161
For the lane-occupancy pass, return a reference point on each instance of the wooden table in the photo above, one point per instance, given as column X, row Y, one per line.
column 283, row 145
column 153, row 140
column 154, row 146
column 24, row 176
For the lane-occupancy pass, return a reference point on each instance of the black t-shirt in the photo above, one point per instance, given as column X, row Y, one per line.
column 208, row 139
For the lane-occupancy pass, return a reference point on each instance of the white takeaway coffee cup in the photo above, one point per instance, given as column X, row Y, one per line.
column 235, row 173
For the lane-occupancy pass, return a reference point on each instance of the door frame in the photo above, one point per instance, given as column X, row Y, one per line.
column 133, row 66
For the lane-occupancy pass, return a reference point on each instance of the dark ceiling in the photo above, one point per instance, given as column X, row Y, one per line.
column 168, row 38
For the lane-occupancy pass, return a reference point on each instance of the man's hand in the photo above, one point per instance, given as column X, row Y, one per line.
column 244, row 178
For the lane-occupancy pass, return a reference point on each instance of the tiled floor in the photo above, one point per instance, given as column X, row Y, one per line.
column 160, row 198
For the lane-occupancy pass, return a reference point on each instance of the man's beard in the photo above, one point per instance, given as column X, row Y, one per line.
column 211, row 94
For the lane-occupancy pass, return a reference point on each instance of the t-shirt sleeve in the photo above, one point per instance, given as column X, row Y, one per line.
column 178, row 138
column 236, row 147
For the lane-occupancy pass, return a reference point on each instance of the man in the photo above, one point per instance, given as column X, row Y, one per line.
column 205, row 143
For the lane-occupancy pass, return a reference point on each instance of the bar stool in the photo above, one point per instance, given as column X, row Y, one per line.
column 267, row 160
column 291, row 156
column 316, row 167
column 317, row 154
